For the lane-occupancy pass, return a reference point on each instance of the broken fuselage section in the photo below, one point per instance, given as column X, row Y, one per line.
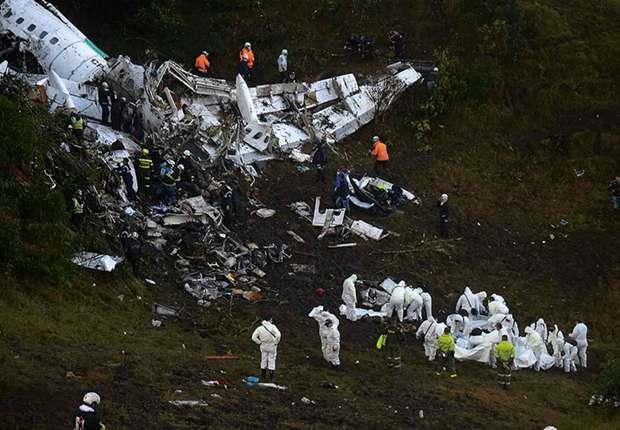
column 225, row 120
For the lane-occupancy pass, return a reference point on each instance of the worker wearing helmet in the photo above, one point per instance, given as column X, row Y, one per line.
column 202, row 63
column 444, row 215
column 247, row 50
column 246, row 61
column 145, row 166
column 379, row 151
column 283, row 65
column 88, row 416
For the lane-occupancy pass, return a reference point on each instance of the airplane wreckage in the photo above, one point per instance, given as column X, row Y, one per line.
column 219, row 118
column 215, row 120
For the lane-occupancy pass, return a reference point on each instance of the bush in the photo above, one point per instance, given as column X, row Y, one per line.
column 35, row 238
column 611, row 379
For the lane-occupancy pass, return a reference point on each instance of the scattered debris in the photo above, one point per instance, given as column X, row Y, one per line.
column 190, row 403
column 265, row 213
column 307, row 401
column 343, row 245
column 165, row 310
column 579, row 172
column 295, row 236
column 156, row 323
column 92, row 260
column 220, row 357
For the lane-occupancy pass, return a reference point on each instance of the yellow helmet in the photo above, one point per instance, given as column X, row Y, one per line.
column 145, row 151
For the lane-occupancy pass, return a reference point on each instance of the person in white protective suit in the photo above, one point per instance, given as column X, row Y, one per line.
column 331, row 343
column 429, row 330
column 580, row 335
column 413, row 303
column 397, row 302
column 534, row 341
column 541, row 328
column 349, row 297
column 459, row 324
column 470, row 302
column 569, row 355
column 555, row 338
column 267, row 337
column 428, row 305
column 497, row 305
column 329, row 334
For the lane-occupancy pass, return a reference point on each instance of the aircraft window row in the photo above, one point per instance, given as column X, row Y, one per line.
column 32, row 27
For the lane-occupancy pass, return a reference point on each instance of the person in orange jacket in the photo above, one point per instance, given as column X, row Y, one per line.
column 379, row 151
column 202, row 63
column 247, row 51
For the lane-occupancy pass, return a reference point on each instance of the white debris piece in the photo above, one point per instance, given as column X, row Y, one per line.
column 336, row 215
column 300, row 157
column 191, row 403
column 364, row 229
column 92, row 260
column 265, row 213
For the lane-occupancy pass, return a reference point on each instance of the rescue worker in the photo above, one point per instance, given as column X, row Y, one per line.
column 534, row 341
column 427, row 300
column 169, row 181
column 126, row 116
column 187, row 182
column 117, row 109
column 329, row 334
column 77, row 125
column 569, row 355
column 88, row 417
column 555, row 339
column 428, row 332
column 470, row 302
column 580, row 335
column 413, row 303
column 202, row 63
column 349, row 297
column 125, row 172
column 145, row 167
column 283, row 65
column 247, row 52
column 319, row 161
column 445, row 345
column 77, row 208
column 105, row 101
column 244, row 69
column 379, row 151
column 505, row 353
column 229, row 204
column 341, row 190
column 398, row 43
column 133, row 249
column 444, row 215
column 267, row 337
column 397, row 302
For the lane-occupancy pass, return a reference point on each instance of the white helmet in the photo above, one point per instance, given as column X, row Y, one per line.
column 187, row 153
column 171, row 163
column 375, row 138
column 105, row 84
column 247, row 45
column 90, row 398
column 181, row 167
column 443, row 198
column 205, row 53
column 284, row 52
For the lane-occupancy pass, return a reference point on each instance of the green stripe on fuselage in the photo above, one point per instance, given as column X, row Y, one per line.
column 96, row 49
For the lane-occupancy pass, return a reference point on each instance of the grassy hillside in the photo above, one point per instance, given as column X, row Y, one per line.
column 527, row 95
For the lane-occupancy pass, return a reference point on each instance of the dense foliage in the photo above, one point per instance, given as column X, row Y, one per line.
column 35, row 238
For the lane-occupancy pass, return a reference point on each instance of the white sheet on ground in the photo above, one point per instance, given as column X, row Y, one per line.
column 92, row 260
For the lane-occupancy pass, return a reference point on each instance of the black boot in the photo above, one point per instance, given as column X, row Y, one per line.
column 263, row 374
column 272, row 375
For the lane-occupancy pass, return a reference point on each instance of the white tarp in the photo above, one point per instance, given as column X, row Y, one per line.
column 92, row 260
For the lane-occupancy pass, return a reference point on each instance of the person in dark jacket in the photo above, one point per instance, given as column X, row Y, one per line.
column 88, row 416
column 125, row 172
column 319, row 160
column 341, row 190
column 117, row 109
column 444, row 215
column 244, row 68
column 398, row 43
column 105, row 101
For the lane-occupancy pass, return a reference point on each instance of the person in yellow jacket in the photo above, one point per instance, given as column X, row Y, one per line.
column 505, row 353
column 445, row 349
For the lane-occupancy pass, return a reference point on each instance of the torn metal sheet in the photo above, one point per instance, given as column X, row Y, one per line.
column 336, row 215
column 92, row 260
column 190, row 403
column 365, row 229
